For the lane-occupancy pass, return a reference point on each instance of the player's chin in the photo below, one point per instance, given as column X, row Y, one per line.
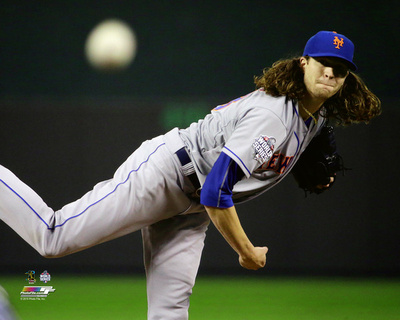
column 325, row 94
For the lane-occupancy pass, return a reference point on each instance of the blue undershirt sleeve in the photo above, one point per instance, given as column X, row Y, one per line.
column 217, row 189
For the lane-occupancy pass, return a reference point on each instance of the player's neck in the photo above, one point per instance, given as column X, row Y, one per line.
column 309, row 106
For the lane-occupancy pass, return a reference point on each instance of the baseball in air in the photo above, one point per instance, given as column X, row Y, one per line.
column 111, row 45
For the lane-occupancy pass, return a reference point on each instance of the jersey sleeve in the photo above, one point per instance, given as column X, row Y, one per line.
column 254, row 139
column 217, row 189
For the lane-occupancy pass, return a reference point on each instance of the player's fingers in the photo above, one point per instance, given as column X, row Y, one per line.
column 265, row 258
column 326, row 186
column 262, row 258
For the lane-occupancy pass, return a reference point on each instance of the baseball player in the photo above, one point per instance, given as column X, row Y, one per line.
column 172, row 185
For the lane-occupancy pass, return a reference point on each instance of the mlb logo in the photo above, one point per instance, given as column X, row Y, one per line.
column 45, row 276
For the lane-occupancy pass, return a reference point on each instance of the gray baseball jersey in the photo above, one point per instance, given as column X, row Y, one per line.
column 150, row 191
column 263, row 134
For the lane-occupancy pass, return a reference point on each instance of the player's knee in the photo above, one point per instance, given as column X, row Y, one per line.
column 49, row 254
column 52, row 253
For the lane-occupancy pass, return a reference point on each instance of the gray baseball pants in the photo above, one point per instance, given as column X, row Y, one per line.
column 148, row 192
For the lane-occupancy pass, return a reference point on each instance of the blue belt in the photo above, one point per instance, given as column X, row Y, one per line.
column 187, row 167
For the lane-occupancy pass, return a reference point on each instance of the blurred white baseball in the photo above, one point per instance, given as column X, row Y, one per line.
column 111, row 45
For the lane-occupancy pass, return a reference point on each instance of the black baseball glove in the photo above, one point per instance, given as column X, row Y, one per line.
column 318, row 163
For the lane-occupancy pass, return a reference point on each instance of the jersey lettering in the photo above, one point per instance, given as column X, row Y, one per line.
column 278, row 163
column 229, row 103
column 284, row 163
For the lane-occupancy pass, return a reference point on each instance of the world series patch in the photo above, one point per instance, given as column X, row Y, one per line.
column 263, row 148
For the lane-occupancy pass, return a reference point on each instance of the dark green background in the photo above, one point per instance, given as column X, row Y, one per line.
column 186, row 47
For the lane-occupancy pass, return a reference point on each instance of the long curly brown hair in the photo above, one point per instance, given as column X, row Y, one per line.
column 353, row 103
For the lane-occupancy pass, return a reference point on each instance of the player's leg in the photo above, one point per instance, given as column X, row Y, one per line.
column 6, row 309
column 143, row 190
column 172, row 252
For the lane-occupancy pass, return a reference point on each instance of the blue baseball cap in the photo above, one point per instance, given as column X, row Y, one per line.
column 331, row 44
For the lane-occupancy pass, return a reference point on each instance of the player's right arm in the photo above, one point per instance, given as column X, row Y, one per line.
column 227, row 222
column 216, row 196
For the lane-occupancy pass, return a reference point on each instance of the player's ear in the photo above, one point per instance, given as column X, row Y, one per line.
column 303, row 62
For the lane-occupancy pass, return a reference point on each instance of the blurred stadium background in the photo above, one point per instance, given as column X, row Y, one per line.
column 65, row 126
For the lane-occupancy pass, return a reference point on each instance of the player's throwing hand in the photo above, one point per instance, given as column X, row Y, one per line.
column 255, row 262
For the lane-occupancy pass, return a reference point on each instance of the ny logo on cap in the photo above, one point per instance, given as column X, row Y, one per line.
column 338, row 43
